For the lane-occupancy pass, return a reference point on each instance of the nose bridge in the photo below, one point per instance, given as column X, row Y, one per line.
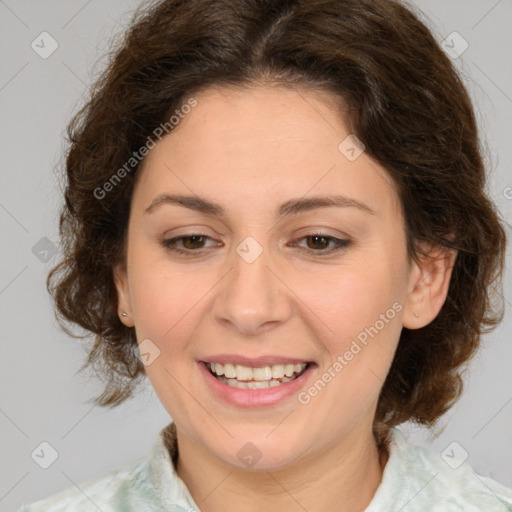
column 251, row 296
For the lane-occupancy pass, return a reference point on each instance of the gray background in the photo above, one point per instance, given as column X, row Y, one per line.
column 42, row 399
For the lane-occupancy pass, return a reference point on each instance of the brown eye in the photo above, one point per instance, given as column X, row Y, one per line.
column 320, row 243
column 193, row 244
column 187, row 244
column 190, row 242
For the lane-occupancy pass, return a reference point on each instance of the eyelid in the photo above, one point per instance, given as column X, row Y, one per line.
column 339, row 243
column 172, row 240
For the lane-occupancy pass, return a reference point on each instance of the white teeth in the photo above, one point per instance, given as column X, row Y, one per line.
column 278, row 371
column 289, row 369
column 254, row 384
column 229, row 370
column 243, row 372
column 263, row 374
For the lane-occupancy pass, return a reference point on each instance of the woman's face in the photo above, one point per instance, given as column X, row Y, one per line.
column 262, row 279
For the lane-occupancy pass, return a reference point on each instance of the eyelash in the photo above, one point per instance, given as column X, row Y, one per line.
column 339, row 244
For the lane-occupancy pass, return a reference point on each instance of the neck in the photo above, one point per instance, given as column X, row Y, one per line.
column 347, row 474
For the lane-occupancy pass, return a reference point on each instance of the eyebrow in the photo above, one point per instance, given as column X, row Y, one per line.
column 291, row 207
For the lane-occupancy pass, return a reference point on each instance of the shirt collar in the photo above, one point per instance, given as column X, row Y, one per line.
column 174, row 495
column 170, row 489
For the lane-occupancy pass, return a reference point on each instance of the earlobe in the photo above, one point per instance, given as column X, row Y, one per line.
column 429, row 284
column 123, row 296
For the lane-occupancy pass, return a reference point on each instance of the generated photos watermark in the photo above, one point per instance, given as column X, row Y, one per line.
column 304, row 397
column 137, row 156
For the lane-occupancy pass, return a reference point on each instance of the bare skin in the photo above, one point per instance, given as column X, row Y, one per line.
column 250, row 151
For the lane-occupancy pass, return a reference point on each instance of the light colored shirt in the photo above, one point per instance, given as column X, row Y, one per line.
column 415, row 479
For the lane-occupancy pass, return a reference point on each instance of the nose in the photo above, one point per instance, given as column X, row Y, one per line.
column 252, row 297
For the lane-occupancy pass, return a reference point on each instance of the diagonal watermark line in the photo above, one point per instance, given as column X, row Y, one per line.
column 508, row 401
column 186, row 185
column 278, row 424
column 74, row 73
column 198, row 402
column 75, row 15
column 14, row 218
column 495, row 495
column 486, row 14
column 414, row 497
column 287, row 492
column 177, row 177
column 492, row 81
column 311, row 188
column 13, row 13
column 14, row 423
column 376, row 375
column 78, row 422
column 301, row 300
column 14, row 485
column 13, row 279
column 206, row 293
column 217, row 486
column 317, row 111
column 15, row 75
column 88, row 497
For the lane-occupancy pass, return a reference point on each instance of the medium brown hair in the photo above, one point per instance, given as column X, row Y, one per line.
column 401, row 96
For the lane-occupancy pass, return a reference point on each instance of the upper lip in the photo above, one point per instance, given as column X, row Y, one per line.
column 255, row 362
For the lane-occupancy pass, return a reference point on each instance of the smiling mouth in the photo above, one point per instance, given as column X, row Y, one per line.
column 245, row 377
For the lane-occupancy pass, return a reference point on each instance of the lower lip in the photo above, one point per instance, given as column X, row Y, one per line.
column 255, row 397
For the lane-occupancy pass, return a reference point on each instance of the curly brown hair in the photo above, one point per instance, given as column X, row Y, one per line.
column 402, row 97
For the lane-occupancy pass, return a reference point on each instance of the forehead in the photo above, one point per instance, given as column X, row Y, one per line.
column 260, row 117
column 254, row 144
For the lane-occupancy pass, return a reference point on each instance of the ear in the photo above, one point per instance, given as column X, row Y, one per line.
column 428, row 285
column 123, row 295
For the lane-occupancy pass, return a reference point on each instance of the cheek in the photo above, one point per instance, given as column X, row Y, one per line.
column 362, row 307
column 167, row 309
column 338, row 302
column 166, row 298
column 348, row 298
